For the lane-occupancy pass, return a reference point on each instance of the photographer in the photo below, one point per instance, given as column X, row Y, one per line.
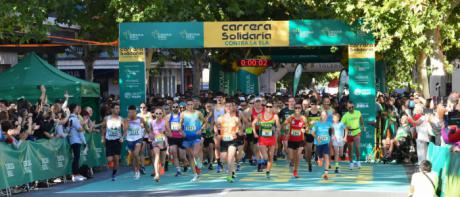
column 451, row 133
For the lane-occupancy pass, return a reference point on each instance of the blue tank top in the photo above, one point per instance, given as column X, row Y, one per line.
column 191, row 126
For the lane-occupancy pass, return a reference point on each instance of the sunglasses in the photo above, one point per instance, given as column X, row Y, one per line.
column 251, row 103
column 298, row 107
column 158, row 113
column 268, row 106
column 189, row 103
column 143, row 107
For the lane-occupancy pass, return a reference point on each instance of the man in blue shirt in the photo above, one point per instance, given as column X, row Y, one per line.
column 321, row 132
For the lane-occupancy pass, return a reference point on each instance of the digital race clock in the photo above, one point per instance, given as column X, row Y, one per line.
column 255, row 63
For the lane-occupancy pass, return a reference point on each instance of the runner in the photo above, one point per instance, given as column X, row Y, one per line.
column 247, row 125
column 112, row 138
column 147, row 116
column 284, row 115
column 338, row 139
column 159, row 142
column 133, row 131
column 354, row 123
column 208, row 135
column 240, row 138
column 219, row 110
column 175, row 137
column 320, row 130
column 267, row 140
column 297, row 124
column 193, row 122
column 313, row 115
column 230, row 126
column 255, row 112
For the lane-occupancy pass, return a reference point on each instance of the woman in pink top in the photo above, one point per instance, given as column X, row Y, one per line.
column 159, row 142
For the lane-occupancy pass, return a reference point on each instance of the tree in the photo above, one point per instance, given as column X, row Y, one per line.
column 408, row 32
column 96, row 22
column 23, row 21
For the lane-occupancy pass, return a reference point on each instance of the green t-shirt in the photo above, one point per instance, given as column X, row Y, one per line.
column 352, row 121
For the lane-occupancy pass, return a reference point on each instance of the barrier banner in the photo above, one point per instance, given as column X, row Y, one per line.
column 44, row 159
column 132, row 78
column 447, row 165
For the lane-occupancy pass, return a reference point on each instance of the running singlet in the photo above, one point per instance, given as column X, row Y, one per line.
column 229, row 129
column 284, row 115
column 158, row 131
column 174, row 122
column 321, row 130
column 296, row 127
column 192, row 125
column 135, row 131
column 339, row 131
column 266, row 126
column 254, row 115
column 147, row 117
column 313, row 118
column 208, row 131
column 113, row 130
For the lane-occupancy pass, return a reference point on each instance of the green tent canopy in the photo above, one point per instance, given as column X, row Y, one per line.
column 21, row 81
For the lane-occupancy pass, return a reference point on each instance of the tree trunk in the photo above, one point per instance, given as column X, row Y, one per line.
column 88, row 58
column 422, row 79
column 197, row 75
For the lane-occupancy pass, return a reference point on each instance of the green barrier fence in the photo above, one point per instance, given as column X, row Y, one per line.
column 447, row 165
column 45, row 159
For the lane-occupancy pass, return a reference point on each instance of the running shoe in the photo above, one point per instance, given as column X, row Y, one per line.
column 219, row 169
column 320, row 163
column 230, row 179
column 198, row 170
column 267, row 174
column 142, row 170
column 358, row 164
column 195, row 178
column 156, row 179
column 351, row 166
column 296, row 174
column 114, row 178
column 309, row 167
column 325, row 176
column 210, row 167
column 259, row 168
column 137, row 175
column 178, row 173
column 238, row 167
column 234, row 175
column 336, row 170
column 162, row 170
column 185, row 168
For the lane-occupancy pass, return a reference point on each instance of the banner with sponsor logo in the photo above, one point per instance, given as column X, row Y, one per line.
column 161, row 35
column 248, row 83
column 297, row 75
column 45, row 159
column 361, row 75
column 246, row 34
column 131, row 78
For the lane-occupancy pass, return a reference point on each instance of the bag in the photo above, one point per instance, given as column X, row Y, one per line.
column 436, row 190
column 85, row 171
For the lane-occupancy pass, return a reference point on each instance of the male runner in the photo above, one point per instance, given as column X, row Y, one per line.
column 193, row 122
column 267, row 135
column 297, row 126
column 112, row 138
column 354, row 123
column 240, row 137
column 133, row 131
column 175, row 137
column 147, row 116
column 313, row 116
column 219, row 110
column 283, row 115
column 229, row 126
column 321, row 131
column 208, row 135
column 255, row 112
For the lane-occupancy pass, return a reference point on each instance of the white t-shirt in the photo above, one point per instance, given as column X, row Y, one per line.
column 423, row 130
column 422, row 186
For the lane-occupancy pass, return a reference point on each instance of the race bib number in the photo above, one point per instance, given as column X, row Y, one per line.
column 190, row 128
column 134, row 131
column 296, row 132
column 267, row 132
column 175, row 126
column 160, row 138
column 322, row 138
column 227, row 138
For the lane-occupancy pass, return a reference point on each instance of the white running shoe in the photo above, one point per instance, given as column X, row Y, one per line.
column 195, row 178
column 351, row 165
column 137, row 175
column 359, row 164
